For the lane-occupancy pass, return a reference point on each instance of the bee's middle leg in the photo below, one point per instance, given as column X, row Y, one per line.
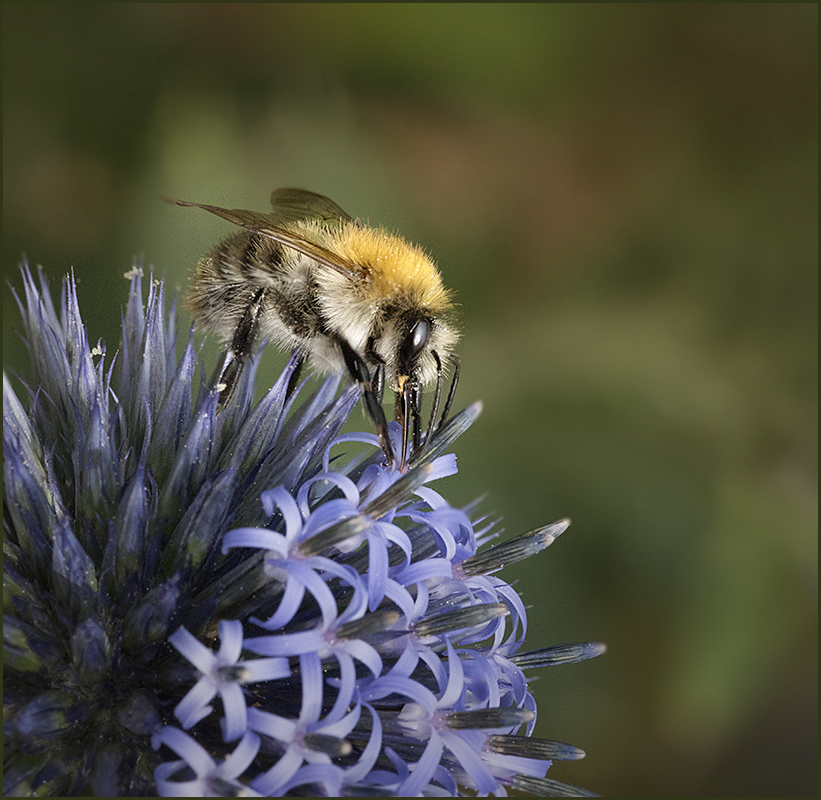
column 240, row 349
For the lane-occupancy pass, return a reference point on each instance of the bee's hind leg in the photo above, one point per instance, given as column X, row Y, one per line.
column 358, row 370
column 226, row 377
column 240, row 349
column 293, row 381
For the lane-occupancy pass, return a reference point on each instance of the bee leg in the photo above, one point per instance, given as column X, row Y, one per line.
column 240, row 349
column 358, row 371
column 224, row 378
column 378, row 377
column 436, row 396
column 299, row 362
column 379, row 381
column 451, row 392
column 416, row 412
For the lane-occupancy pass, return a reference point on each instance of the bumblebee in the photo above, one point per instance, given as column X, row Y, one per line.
column 344, row 296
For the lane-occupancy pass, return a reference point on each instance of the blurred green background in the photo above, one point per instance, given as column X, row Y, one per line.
column 624, row 198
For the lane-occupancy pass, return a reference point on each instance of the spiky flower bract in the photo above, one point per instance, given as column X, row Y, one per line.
column 205, row 601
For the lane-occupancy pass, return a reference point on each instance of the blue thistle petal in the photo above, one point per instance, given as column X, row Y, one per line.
column 28, row 494
column 45, row 717
column 130, row 521
column 149, row 622
column 174, row 416
column 90, row 651
column 74, row 574
column 262, row 426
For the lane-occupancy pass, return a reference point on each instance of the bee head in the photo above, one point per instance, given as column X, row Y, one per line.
column 411, row 345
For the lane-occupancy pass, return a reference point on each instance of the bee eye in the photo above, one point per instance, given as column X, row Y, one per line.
column 414, row 343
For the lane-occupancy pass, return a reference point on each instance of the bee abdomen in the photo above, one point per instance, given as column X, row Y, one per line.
column 248, row 257
column 227, row 280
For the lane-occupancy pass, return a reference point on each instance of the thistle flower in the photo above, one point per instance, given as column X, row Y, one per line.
column 204, row 603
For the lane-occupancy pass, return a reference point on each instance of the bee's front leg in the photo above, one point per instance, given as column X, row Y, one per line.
column 358, row 371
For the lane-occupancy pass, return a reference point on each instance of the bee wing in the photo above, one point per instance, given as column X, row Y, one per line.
column 265, row 225
column 291, row 205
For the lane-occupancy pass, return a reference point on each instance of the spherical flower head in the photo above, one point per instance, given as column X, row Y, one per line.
column 218, row 600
